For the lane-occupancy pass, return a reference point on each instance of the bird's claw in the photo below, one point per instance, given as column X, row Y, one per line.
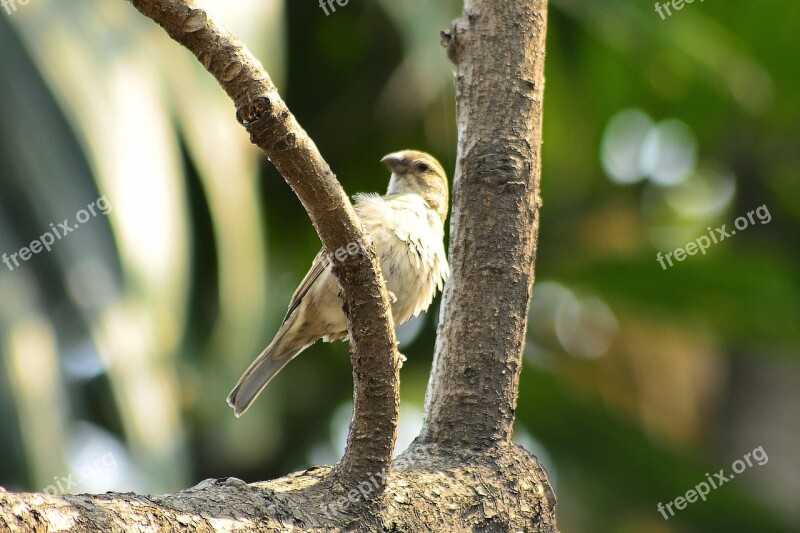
column 401, row 359
column 392, row 297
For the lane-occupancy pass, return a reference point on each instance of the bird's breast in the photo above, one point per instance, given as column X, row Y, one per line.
column 411, row 253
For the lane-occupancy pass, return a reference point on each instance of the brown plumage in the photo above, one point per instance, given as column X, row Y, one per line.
column 407, row 227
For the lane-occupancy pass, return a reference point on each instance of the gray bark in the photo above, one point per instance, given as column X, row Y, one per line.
column 463, row 473
column 431, row 488
column 498, row 50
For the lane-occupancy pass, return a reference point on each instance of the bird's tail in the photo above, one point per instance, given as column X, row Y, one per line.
column 281, row 350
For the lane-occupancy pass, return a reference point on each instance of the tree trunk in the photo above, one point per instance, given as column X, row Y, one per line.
column 463, row 473
column 498, row 50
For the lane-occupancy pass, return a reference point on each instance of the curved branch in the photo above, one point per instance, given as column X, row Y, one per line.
column 498, row 50
column 275, row 130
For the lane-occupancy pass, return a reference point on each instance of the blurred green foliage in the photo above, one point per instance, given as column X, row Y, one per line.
column 125, row 339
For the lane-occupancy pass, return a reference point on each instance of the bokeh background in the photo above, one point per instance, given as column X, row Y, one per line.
column 118, row 347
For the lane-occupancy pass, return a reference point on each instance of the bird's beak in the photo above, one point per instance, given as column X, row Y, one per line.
column 395, row 162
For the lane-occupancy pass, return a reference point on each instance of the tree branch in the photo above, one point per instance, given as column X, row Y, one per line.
column 430, row 489
column 498, row 49
column 462, row 474
column 272, row 127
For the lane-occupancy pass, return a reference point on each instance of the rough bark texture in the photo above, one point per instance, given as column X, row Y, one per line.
column 498, row 50
column 431, row 489
column 463, row 473
column 272, row 127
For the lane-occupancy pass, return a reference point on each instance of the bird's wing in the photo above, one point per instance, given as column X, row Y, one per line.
column 286, row 345
column 319, row 266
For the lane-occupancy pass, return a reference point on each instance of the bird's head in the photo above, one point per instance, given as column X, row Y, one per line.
column 419, row 173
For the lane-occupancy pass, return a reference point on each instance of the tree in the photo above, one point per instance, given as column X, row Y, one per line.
column 463, row 470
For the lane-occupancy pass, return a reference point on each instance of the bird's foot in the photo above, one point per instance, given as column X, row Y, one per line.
column 400, row 360
column 392, row 297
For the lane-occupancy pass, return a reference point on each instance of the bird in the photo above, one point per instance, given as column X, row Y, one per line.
column 407, row 227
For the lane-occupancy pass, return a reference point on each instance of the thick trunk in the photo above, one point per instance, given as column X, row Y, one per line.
column 498, row 50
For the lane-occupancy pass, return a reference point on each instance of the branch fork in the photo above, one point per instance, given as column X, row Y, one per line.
column 462, row 472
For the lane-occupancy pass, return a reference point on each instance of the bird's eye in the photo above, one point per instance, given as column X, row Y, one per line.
column 422, row 167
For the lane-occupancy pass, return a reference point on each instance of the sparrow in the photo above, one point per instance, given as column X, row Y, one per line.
column 407, row 227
